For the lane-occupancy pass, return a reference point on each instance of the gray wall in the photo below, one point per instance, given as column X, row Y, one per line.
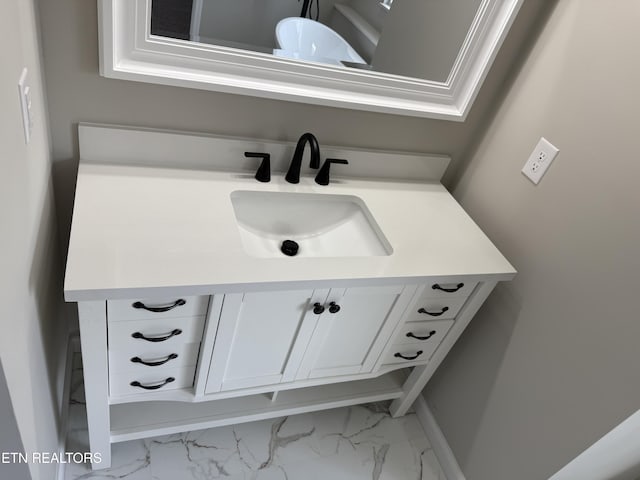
column 370, row 10
column 77, row 93
column 32, row 338
column 10, row 438
column 422, row 38
column 550, row 364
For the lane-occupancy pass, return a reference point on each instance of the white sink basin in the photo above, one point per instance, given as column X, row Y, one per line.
column 322, row 225
column 307, row 39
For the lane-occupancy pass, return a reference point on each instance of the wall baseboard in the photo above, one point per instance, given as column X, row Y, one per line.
column 441, row 447
column 73, row 346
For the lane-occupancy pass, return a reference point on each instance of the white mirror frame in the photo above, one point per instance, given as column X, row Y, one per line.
column 128, row 51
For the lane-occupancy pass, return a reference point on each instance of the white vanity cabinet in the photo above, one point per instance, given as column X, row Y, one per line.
column 427, row 321
column 353, row 329
column 273, row 340
column 153, row 344
column 261, row 337
column 182, row 328
column 178, row 363
column 275, row 337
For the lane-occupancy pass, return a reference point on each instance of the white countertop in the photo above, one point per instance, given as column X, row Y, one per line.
column 144, row 231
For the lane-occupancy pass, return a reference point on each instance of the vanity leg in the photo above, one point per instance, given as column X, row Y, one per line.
column 93, row 338
column 414, row 385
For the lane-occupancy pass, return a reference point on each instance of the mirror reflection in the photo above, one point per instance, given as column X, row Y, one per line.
column 412, row 38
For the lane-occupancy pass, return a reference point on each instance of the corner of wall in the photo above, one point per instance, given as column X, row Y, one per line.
column 31, row 279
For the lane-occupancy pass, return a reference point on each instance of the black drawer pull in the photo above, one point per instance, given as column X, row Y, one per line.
column 334, row 308
column 173, row 356
column 431, row 334
column 434, row 314
column 448, row 290
column 152, row 387
column 177, row 303
column 418, row 353
column 173, row 333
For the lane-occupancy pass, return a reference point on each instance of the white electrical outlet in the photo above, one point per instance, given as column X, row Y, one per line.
column 539, row 160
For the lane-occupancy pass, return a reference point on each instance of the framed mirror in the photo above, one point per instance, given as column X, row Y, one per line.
column 425, row 58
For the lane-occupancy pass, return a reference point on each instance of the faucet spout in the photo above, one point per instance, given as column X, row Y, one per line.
column 293, row 175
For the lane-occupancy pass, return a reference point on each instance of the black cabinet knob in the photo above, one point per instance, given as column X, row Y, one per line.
column 318, row 308
column 333, row 308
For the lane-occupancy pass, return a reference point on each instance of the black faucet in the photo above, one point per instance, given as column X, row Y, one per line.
column 293, row 175
column 305, row 8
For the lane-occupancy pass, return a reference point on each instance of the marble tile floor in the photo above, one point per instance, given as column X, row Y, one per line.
column 353, row 443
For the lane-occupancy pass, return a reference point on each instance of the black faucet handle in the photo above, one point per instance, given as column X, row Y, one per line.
column 263, row 174
column 322, row 178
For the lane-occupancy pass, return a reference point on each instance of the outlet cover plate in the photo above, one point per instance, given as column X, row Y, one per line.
column 539, row 160
column 25, row 104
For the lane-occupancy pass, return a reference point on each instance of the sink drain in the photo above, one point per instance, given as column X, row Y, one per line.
column 289, row 247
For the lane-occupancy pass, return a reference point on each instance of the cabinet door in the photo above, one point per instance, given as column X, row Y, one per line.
column 261, row 338
column 350, row 340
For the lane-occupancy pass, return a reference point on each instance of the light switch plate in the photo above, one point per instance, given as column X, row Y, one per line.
column 25, row 102
column 539, row 160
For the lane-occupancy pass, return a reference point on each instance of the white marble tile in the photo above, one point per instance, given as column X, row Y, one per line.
column 205, row 454
column 430, row 467
column 130, row 461
column 285, row 448
column 410, row 459
column 353, row 443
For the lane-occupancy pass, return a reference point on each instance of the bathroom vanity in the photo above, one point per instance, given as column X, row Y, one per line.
column 190, row 319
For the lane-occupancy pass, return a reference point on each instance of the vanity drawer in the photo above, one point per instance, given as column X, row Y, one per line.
column 162, row 333
column 154, row 381
column 164, row 357
column 430, row 332
column 448, row 290
column 412, row 350
column 156, row 308
column 436, row 308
